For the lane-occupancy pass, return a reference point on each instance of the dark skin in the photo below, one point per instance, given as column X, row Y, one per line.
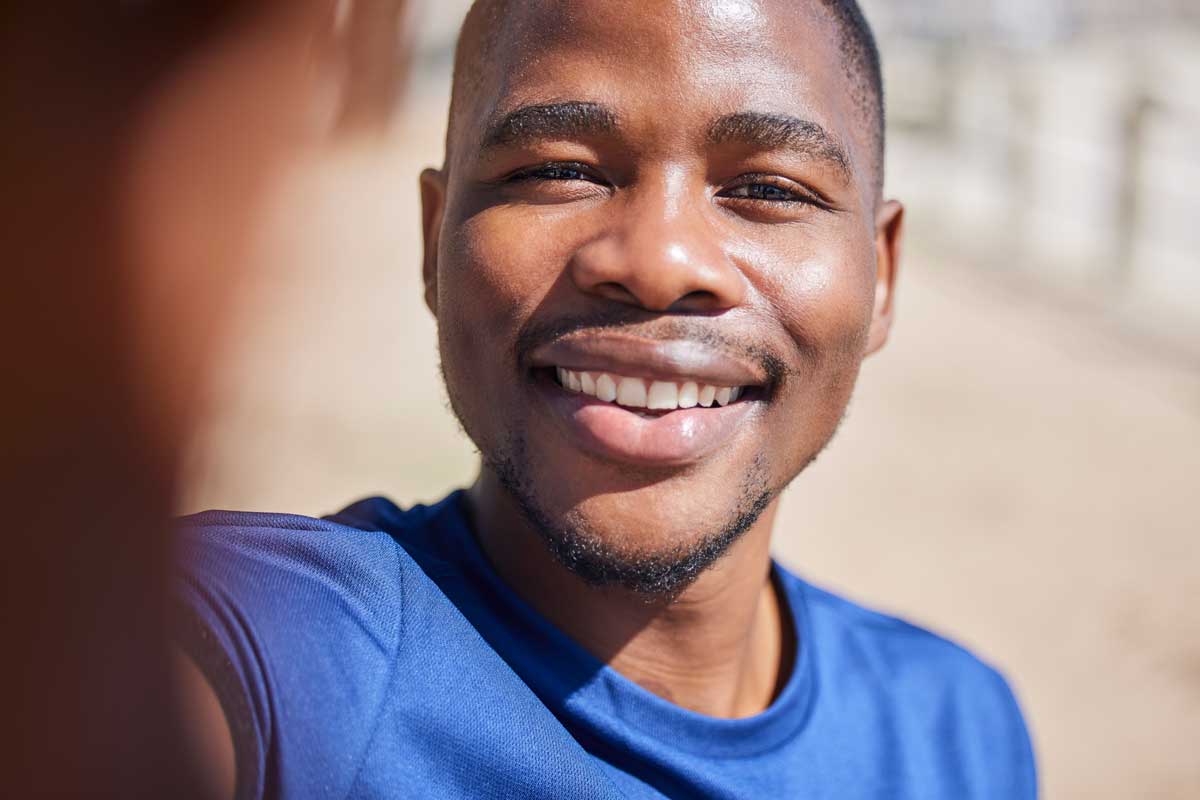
column 670, row 200
column 705, row 179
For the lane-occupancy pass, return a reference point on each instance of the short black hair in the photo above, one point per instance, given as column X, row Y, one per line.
column 860, row 57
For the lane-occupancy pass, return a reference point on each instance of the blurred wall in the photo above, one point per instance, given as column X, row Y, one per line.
column 1060, row 140
column 1019, row 466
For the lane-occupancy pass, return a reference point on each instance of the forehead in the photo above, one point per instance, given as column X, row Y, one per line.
column 668, row 64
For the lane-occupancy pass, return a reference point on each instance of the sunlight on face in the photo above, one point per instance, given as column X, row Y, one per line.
column 739, row 13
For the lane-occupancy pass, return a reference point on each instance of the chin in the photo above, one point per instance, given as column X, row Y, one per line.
column 614, row 529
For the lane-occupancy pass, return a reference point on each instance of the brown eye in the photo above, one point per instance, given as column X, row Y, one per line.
column 763, row 191
column 554, row 172
column 772, row 196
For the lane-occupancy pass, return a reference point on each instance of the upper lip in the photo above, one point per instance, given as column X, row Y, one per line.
column 652, row 359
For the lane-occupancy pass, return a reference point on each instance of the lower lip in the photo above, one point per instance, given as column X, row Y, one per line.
column 614, row 433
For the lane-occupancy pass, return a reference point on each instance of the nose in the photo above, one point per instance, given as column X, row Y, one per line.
column 661, row 252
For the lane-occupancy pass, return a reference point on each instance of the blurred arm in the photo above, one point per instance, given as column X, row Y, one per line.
column 113, row 309
column 206, row 731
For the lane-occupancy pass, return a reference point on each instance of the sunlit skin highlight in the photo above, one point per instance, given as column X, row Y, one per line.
column 677, row 174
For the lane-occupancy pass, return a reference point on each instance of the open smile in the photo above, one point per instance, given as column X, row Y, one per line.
column 654, row 395
column 645, row 402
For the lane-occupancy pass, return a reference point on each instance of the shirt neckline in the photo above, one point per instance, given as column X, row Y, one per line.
column 588, row 695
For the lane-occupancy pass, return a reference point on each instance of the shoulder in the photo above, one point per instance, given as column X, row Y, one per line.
column 357, row 563
column 296, row 622
column 286, row 551
column 299, row 581
column 935, row 693
column 889, row 645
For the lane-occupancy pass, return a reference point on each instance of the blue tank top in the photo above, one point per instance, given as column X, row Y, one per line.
column 375, row 653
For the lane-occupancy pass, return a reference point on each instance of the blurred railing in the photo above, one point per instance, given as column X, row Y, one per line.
column 1059, row 140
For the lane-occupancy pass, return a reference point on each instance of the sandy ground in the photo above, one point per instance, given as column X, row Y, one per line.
column 1013, row 473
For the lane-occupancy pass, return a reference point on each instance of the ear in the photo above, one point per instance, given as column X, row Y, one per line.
column 433, row 204
column 889, row 225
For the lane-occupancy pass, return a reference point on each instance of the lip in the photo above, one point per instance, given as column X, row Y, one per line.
column 613, row 433
column 652, row 359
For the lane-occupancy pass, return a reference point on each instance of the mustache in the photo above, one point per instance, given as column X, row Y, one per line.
column 538, row 332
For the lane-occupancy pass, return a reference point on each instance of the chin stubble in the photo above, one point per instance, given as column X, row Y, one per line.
column 588, row 555
column 591, row 556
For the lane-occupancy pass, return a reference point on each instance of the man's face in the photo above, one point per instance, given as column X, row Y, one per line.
column 675, row 203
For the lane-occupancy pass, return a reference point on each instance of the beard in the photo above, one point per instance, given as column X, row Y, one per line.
column 582, row 547
column 591, row 556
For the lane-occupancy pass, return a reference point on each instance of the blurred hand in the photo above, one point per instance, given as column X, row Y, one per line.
column 141, row 141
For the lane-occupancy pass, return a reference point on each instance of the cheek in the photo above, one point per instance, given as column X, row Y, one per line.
column 492, row 277
column 822, row 290
column 827, row 305
column 494, row 272
column 821, row 293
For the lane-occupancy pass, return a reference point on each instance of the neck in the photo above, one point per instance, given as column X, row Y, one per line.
column 723, row 647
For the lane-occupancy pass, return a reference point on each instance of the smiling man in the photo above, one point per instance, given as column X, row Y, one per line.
column 657, row 253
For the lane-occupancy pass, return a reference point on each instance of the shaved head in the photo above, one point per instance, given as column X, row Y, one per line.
column 487, row 20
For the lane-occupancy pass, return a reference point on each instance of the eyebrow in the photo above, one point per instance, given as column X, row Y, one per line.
column 575, row 119
column 767, row 131
column 548, row 121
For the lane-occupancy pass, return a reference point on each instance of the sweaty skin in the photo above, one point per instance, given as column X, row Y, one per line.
column 619, row 176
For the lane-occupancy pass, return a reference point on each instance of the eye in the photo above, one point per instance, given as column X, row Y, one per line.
column 564, row 171
column 773, row 190
column 762, row 191
column 554, row 182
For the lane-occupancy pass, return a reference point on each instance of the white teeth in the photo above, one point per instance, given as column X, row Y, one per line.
column 631, row 392
column 689, row 395
column 657, row 396
column 663, row 395
column 606, row 389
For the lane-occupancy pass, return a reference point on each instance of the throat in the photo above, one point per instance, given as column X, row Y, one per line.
column 719, row 673
column 722, row 647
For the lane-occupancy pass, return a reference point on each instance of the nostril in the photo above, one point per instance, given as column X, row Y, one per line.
column 611, row 290
column 699, row 300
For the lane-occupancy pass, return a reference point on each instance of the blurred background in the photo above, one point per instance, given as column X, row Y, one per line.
column 1020, row 468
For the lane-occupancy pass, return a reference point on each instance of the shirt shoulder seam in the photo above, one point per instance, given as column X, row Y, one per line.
column 391, row 681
